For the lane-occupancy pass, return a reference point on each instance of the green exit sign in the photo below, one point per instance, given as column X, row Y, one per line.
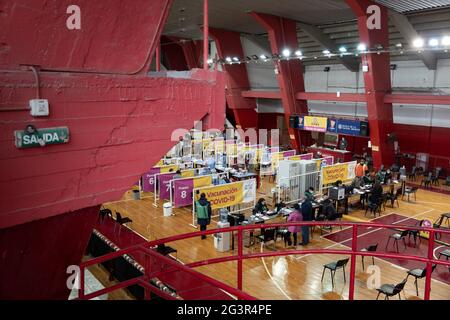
column 41, row 137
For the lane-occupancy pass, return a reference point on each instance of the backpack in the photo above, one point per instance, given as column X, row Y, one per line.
column 202, row 211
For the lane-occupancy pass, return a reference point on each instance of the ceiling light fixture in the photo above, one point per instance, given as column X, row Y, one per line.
column 286, row 53
column 362, row 47
column 433, row 42
column 418, row 43
column 445, row 41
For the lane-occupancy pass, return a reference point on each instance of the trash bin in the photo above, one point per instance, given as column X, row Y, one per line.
column 136, row 195
column 167, row 209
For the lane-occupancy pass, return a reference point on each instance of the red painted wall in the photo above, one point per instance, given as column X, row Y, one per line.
column 268, row 120
column 35, row 33
column 34, row 256
column 432, row 140
column 120, row 126
column 356, row 144
column 173, row 55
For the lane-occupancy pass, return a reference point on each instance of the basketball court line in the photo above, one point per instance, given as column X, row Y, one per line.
column 364, row 234
column 337, row 244
column 271, row 278
column 359, row 220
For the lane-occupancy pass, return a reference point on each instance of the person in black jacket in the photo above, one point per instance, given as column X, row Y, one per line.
column 307, row 213
column 377, row 191
column 203, row 211
column 261, row 206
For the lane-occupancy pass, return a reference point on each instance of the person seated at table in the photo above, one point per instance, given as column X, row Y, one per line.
column 261, row 206
column 381, row 175
column 294, row 216
column 280, row 205
column 367, row 179
column 376, row 192
column 224, row 180
column 328, row 212
column 177, row 174
column 356, row 183
column 387, row 176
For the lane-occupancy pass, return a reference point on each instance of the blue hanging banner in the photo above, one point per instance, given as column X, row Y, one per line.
column 349, row 127
column 332, row 125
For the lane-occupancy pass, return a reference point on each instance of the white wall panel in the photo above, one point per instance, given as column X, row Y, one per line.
column 409, row 76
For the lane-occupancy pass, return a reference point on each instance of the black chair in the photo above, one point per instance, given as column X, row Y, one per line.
column 104, row 213
column 411, row 191
column 371, row 248
column 333, row 266
column 445, row 253
column 393, row 197
column 268, row 234
column 418, row 274
column 415, row 234
column 390, row 290
column 375, row 206
column 166, row 250
column 427, row 180
column 412, row 174
column 282, row 233
column 397, row 237
column 447, row 181
column 121, row 221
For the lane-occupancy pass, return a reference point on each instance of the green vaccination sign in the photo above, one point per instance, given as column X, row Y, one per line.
column 41, row 137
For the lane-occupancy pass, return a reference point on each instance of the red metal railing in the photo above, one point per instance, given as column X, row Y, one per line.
column 240, row 256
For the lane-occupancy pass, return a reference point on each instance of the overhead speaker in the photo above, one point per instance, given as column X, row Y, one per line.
column 293, row 122
column 364, row 129
column 391, row 137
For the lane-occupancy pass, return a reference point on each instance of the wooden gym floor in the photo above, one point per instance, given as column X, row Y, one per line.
column 288, row 277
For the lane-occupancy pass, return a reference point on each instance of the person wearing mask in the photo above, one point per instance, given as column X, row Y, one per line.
column 360, row 169
column 203, row 211
column 307, row 213
column 261, row 206
column 381, row 174
column 310, row 193
column 294, row 216
column 388, row 176
column 177, row 174
column 280, row 205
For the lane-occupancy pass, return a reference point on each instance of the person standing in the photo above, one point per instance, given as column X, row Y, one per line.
column 294, row 216
column 203, row 211
column 360, row 169
column 307, row 213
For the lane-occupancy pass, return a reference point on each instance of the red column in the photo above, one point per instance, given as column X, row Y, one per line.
column 205, row 34
column 282, row 34
column 192, row 53
column 173, row 54
column 377, row 82
column 158, row 56
column 228, row 44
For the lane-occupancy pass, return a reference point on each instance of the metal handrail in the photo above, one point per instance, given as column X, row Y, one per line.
column 240, row 256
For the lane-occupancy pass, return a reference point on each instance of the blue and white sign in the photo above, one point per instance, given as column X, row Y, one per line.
column 350, row 127
column 332, row 125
